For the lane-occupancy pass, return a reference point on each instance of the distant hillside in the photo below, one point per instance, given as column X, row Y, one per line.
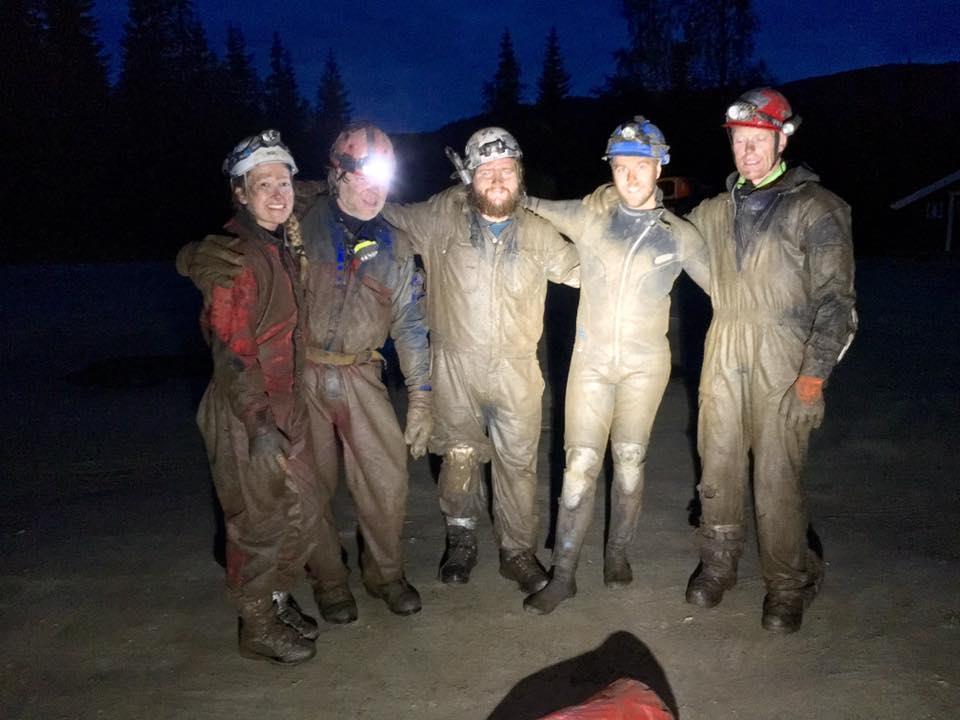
column 873, row 135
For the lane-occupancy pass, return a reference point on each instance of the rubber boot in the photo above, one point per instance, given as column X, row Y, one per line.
column 460, row 555
column 264, row 637
column 289, row 612
column 337, row 604
column 720, row 550
column 782, row 611
column 571, row 528
column 624, row 514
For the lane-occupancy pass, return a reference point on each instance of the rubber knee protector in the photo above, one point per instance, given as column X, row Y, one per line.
column 583, row 465
column 628, row 465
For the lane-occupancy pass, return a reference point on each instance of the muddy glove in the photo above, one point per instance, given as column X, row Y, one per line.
column 214, row 260
column 803, row 404
column 268, row 457
column 602, row 200
column 419, row 422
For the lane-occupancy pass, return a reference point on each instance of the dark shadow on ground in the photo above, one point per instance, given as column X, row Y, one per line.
column 575, row 680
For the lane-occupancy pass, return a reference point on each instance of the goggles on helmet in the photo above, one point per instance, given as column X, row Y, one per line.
column 496, row 147
column 256, row 150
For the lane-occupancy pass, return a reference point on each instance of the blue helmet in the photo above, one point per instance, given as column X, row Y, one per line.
column 639, row 138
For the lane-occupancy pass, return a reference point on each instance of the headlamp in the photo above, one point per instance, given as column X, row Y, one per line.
column 495, row 147
column 377, row 168
column 742, row 111
column 241, row 159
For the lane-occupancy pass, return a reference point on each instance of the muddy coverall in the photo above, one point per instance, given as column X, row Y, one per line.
column 250, row 328
column 485, row 304
column 349, row 310
column 781, row 284
column 629, row 260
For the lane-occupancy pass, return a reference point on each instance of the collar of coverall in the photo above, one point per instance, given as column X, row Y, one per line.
column 774, row 174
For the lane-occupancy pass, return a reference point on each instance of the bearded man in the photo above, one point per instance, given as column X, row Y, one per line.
column 487, row 262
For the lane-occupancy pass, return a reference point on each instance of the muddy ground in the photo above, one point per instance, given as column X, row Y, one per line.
column 111, row 593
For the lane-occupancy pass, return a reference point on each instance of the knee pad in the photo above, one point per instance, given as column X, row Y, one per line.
column 458, row 465
column 628, row 465
column 583, row 464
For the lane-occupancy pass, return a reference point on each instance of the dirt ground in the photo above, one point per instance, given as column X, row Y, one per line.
column 111, row 594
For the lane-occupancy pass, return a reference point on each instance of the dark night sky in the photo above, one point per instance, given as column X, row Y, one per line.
column 414, row 66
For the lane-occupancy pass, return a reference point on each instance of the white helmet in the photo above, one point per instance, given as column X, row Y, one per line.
column 256, row 150
column 491, row 143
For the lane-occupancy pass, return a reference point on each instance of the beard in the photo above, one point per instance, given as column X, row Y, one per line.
column 503, row 208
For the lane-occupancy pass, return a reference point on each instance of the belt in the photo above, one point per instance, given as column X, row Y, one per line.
column 319, row 356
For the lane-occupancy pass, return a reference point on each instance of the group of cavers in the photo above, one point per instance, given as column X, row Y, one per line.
column 314, row 278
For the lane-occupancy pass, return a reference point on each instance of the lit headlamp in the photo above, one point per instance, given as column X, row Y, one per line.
column 376, row 168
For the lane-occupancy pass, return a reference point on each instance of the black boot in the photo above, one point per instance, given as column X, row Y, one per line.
column 571, row 527
column 460, row 555
column 720, row 550
column 289, row 613
column 264, row 637
column 782, row 611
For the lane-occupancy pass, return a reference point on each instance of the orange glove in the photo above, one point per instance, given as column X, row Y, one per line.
column 803, row 404
column 809, row 389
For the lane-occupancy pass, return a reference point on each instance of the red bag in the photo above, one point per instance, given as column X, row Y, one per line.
column 623, row 699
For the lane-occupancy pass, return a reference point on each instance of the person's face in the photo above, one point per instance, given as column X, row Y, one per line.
column 360, row 196
column 755, row 151
column 496, row 188
column 636, row 180
column 267, row 193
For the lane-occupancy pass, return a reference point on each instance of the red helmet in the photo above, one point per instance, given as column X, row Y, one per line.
column 763, row 108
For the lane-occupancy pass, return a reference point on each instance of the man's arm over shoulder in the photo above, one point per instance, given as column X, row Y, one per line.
column 567, row 216
column 421, row 220
column 561, row 258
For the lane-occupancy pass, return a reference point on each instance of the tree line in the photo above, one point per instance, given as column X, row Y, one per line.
column 122, row 169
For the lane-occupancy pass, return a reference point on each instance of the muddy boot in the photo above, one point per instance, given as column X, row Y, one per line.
column 337, row 605
column 400, row 596
column 624, row 513
column 782, row 611
column 264, row 637
column 524, row 569
column 720, row 550
column 616, row 568
column 289, row 613
column 571, row 528
column 460, row 555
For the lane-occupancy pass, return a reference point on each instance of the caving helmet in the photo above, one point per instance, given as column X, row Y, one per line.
column 265, row 147
column 490, row 143
column 638, row 138
column 364, row 149
column 763, row 108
